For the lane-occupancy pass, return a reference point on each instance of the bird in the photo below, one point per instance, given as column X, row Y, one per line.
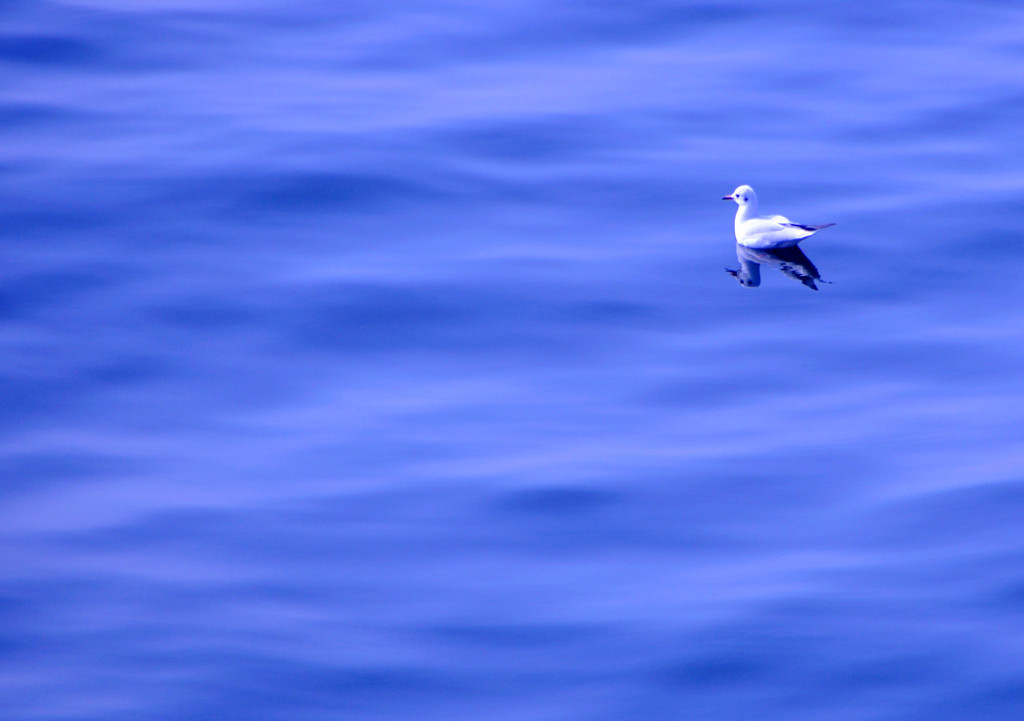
column 761, row 231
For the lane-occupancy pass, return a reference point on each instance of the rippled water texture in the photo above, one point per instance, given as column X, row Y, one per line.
column 376, row 360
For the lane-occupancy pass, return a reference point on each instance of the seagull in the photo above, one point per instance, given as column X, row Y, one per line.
column 760, row 231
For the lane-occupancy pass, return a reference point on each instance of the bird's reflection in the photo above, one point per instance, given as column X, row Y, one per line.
column 791, row 261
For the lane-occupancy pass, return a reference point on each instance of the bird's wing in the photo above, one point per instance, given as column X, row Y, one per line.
column 809, row 228
column 758, row 226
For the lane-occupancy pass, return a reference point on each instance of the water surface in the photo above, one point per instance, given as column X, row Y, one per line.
column 377, row 361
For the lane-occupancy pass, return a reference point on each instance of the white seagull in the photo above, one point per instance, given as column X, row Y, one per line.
column 766, row 231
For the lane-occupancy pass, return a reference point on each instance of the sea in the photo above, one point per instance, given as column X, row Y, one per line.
column 377, row 361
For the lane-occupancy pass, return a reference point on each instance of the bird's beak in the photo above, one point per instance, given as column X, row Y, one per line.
column 728, row 197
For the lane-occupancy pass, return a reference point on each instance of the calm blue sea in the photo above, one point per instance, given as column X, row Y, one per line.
column 377, row 361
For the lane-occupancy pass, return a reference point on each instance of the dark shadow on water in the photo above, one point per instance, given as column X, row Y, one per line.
column 791, row 261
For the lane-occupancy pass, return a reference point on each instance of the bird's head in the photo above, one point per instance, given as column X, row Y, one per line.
column 743, row 195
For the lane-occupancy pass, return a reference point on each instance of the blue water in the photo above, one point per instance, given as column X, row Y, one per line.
column 376, row 360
